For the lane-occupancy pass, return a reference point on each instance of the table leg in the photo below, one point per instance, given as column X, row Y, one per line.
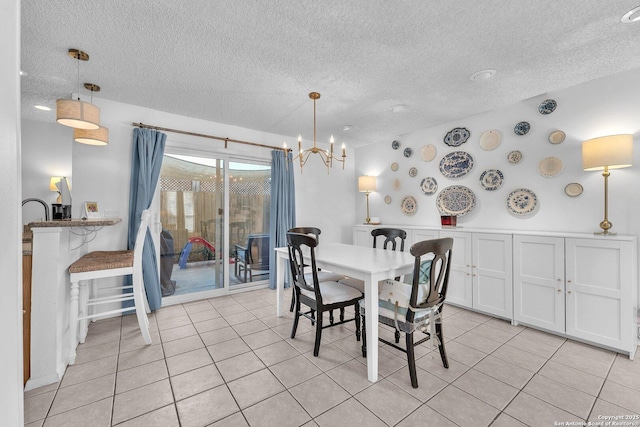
column 281, row 267
column 371, row 315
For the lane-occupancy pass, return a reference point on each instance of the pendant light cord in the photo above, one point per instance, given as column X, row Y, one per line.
column 78, row 76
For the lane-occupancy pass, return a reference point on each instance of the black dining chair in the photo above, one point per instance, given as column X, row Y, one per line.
column 417, row 307
column 320, row 297
column 323, row 276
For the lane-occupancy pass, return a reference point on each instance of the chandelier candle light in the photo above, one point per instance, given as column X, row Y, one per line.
column 326, row 155
column 604, row 153
column 367, row 184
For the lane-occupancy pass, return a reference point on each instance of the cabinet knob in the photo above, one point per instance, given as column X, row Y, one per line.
column 468, row 274
column 559, row 280
column 473, row 275
column 568, row 281
column 568, row 292
column 559, row 290
column 467, row 265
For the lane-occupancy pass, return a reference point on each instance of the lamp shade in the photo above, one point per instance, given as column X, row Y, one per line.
column 98, row 136
column 54, row 180
column 614, row 152
column 77, row 114
column 366, row 184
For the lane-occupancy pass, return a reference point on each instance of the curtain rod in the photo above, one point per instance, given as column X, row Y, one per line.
column 202, row 135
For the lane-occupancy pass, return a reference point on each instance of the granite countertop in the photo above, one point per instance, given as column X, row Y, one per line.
column 76, row 222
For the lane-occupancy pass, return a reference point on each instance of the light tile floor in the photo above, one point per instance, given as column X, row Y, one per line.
column 228, row 361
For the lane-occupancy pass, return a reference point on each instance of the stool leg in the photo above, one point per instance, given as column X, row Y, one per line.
column 73, row 323
column 83, row 308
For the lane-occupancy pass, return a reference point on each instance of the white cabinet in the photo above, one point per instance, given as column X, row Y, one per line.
column 538, row 279
column 584, row 288
column 419, row 235
column 600, row 297
column 362, row 235
column 481, row 272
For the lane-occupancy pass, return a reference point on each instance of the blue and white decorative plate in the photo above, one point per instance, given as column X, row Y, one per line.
column 514, row 157
column 413, row 172
column 547, row 106
column 456, row 137
column 407, row 152
column 456, row 164
column 521, row 201
column 522, row 128
column 409, row 205
column 429, row 186
column 491, row 179
column 456, row 200
column 395, row 145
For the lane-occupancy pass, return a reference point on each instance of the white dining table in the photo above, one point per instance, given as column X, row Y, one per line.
column 367, row 264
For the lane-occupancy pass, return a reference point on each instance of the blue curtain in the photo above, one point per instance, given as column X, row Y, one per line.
column 148, row 149
column 283, row 205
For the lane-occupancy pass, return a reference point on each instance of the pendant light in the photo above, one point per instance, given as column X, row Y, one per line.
column 75, row 113
column 98, row 136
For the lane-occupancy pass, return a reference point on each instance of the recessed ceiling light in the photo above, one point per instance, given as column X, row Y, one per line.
column 398, row 108
column 632, row 16
column 42, row 107
column 483, row 75
column 346, row 128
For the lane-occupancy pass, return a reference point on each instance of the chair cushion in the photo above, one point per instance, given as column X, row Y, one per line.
column 398, row 293
column 354, row 283
column 102, row 260
column 324, row 276
column 333, row 292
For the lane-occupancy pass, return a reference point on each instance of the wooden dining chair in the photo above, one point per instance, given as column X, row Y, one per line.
column 103, row 264
column 323, row 276
column 417, row 307
column 320, row 297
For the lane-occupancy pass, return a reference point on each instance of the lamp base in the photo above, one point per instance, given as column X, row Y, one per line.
column 605, row 233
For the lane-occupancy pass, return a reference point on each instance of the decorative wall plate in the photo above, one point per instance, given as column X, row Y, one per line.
column 429, row 186
column 413, row 172
column 550, row 167
column 456, row 164
column 573, row 190
column 490, row 140
column 514, row 157
column 521, row 201
column 428, row 153
column 387, row 199
column 397, row 184
column 456, row 137
column 407, row 152
column 456, row 200
column 409, row 205
column 394, row 166
column 556, row 137
column 491, row 179
column 395, row 145
column 522, row 128
column 547, row 106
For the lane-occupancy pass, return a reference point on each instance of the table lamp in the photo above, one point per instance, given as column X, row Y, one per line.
column 52, row 186
column 367, row 184
column 604, row 153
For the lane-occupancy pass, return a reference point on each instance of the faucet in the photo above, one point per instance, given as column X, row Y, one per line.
column 42, row 202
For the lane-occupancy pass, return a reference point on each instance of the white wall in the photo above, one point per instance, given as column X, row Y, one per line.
column 11, row 398
column 601, row 107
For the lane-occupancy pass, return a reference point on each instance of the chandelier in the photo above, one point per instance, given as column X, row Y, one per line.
column 326, row 155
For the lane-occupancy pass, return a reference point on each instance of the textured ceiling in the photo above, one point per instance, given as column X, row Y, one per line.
column 252, row 64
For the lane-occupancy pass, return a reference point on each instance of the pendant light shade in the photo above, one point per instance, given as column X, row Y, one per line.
column 98, row 136
column 77, row 114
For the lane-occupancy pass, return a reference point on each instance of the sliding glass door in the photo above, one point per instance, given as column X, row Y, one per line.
column 215, row 225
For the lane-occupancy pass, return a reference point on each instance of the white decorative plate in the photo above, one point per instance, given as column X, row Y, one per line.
column 573, row 190
column 429, row 186
column 413, row 172
column 456, row 137
column 397, row 184
column 387, row 199
column 490, row 140
column 491, row 179
column 409, row 205
column 428, row 152
column 557, row 137
column 394, row 167
column 514, row 157
column 521, row 201
column 456, row 200
column 550, row 167
column 456, row 164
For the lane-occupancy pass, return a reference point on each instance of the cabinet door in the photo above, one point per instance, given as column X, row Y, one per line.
column 538, row 281
column 600, row 299
column 460, row 290
column 421, row 235
column 362, row 236
column 491, row 273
